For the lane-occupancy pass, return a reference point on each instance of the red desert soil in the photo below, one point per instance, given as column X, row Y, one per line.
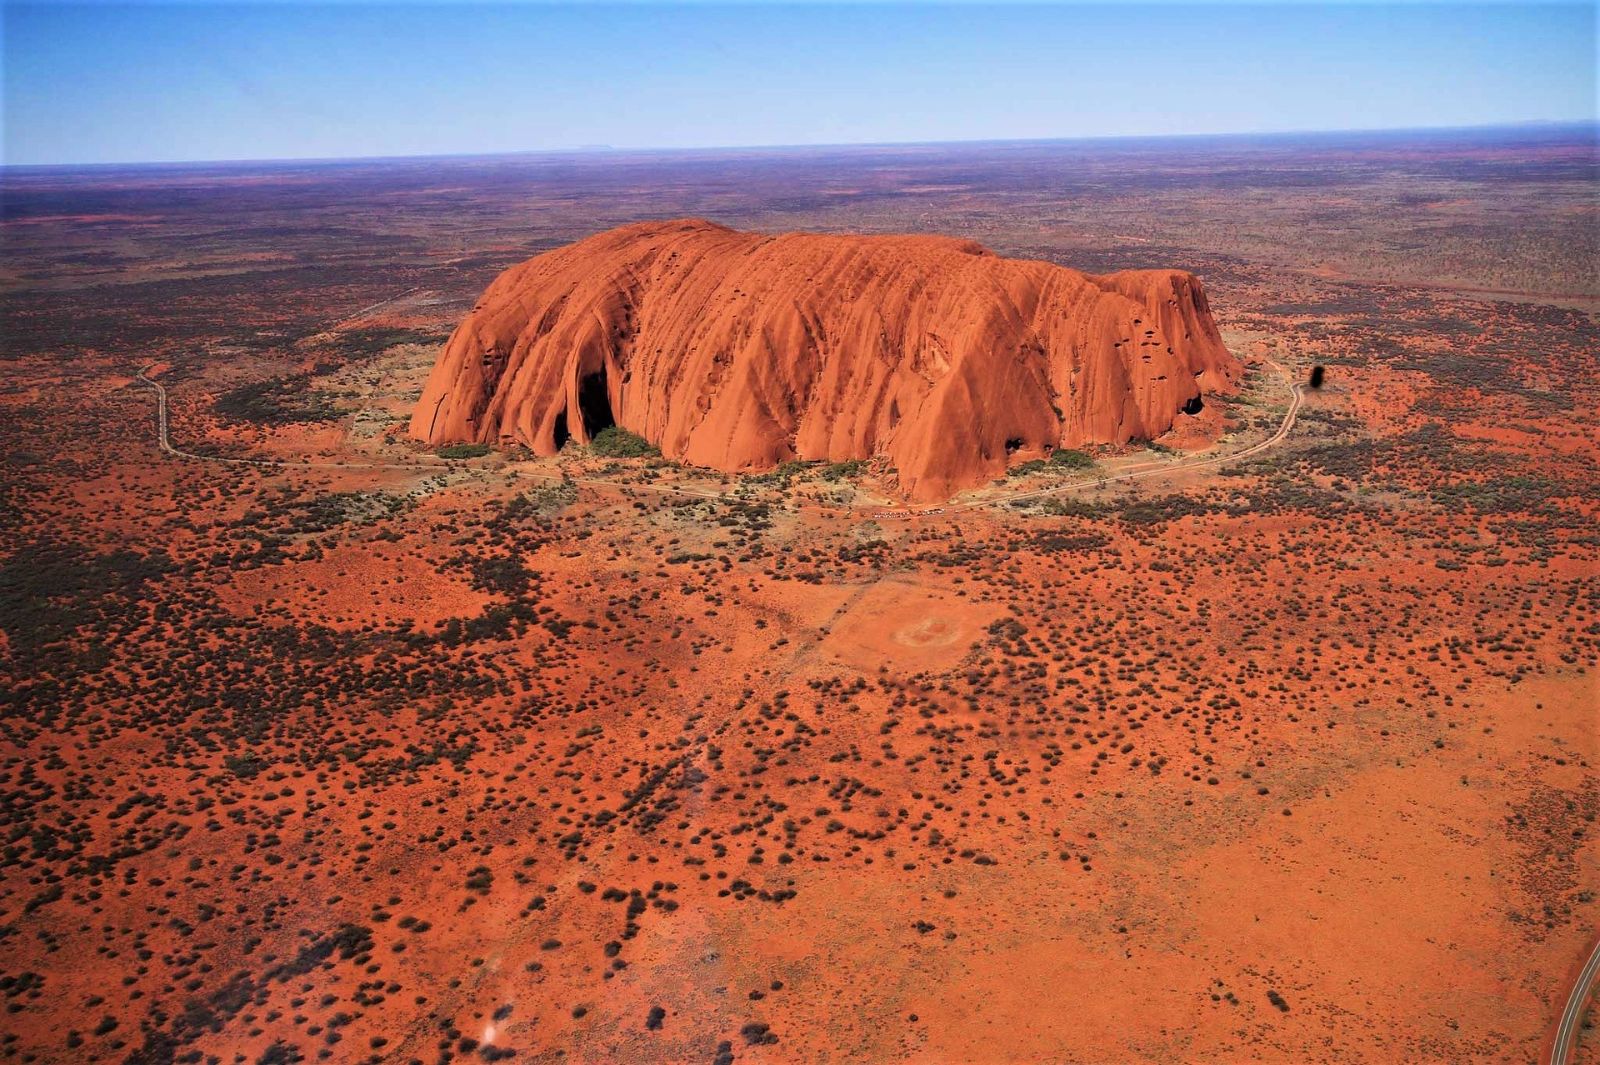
column 739, row 351
column 372, row 757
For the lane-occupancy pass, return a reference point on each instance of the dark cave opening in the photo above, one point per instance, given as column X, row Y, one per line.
column 1194, row 405
column 1014, row 445
column 562, row 435
column 594, row 404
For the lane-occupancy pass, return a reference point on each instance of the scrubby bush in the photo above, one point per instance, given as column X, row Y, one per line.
column 280, row 401
column 1069, row 459
column 463, row 451
column 1060, row 459
column 615, row 442
column 839, row 471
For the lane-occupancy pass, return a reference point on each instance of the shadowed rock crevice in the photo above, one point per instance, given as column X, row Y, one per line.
column 594, row 403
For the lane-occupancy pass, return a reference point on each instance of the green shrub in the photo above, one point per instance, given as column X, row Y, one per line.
column 544, row 499
column 1060, row 459
column 783, row 473
column 463, row 451
column 838, row 471
column 244, row 766
column 280, row 401
column 615, row 442
column 1073, row 508
column 1070, row 459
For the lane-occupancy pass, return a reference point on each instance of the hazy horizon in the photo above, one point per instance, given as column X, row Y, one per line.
column 154, row 84
column 1200, row 137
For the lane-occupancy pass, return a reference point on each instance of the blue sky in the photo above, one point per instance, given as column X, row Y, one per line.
column 117, row 83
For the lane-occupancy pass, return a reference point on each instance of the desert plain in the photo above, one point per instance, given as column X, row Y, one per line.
column 1271, row 741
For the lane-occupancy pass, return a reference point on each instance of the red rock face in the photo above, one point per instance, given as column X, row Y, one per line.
column 739, row 351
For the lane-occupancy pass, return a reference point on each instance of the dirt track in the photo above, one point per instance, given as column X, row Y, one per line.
column 878, row 513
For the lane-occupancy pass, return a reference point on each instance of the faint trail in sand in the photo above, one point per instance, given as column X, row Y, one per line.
column 1296, row 397
column 801, row 655
column 874, row 512
column 374, row 306
column 453, row 1000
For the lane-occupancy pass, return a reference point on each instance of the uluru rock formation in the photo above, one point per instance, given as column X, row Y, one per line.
column 739, row 351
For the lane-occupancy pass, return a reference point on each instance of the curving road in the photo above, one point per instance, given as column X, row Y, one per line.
column 1566, row 1034
column 1152, row 469
column 164, row 442
column 1131, row 473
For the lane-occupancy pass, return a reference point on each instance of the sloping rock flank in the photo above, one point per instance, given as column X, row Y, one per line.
column 738, row 351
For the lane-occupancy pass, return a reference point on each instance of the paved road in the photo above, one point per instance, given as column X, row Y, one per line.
column 1131, row 473
column 1572, row 1014
column 164, row 442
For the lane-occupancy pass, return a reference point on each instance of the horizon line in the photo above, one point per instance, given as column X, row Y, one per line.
column 1592, row 125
